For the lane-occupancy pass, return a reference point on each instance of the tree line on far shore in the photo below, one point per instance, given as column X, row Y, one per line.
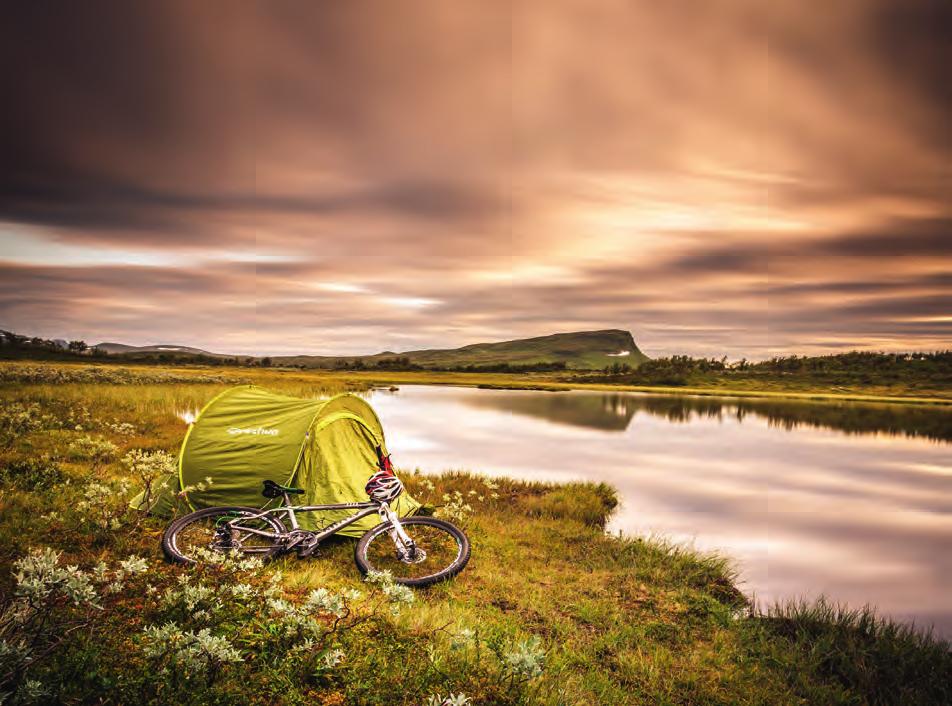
column 863, row 367
column 854, row 367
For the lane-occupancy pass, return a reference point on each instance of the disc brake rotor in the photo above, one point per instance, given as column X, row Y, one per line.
column 418, row 557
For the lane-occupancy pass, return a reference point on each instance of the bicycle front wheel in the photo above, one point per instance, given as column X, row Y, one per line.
column 187, row 537
column 442, row 551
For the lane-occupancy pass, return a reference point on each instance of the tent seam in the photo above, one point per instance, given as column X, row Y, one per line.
column 324, row 423
column 317, row 413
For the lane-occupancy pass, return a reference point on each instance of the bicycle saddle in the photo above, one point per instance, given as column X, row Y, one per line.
column 273, row 490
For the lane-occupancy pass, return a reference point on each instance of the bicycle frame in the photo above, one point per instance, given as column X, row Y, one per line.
column 399, row 536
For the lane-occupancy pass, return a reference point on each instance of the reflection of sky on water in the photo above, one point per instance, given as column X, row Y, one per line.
column 861, row 518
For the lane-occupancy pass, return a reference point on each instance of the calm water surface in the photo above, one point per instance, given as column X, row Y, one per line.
column 852, row 501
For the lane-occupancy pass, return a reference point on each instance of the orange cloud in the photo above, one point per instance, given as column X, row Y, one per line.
column 728, row 177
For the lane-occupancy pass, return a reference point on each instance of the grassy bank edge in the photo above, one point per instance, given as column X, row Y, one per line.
column 547, row 382
column 518, row 382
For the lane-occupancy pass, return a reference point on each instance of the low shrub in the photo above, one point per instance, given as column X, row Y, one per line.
column 48, row 604
column 31, row 474
column 96, row 451
column 17, row 420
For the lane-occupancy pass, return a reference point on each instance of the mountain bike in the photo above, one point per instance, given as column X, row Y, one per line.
column 417, row 551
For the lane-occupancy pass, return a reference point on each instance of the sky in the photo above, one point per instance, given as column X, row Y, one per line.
column 739, row 178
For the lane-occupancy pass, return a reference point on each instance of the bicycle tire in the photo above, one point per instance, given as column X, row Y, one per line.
column 458, row 564
column 170, row 536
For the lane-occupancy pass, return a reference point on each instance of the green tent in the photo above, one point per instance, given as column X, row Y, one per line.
column 247, row 435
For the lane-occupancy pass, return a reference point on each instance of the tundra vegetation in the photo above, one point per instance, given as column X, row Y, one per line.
column 558, row 362
column 551, row 609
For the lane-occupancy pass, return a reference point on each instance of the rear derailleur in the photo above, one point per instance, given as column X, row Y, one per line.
column 224, row 538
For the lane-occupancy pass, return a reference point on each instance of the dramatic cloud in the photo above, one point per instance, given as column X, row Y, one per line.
column 726, row 177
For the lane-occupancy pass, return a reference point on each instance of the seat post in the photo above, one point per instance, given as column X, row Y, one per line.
column 292, row 518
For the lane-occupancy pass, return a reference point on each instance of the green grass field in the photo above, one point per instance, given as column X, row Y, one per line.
column 551, row 610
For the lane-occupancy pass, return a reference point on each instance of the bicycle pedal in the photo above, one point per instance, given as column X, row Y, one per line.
column 310, row 550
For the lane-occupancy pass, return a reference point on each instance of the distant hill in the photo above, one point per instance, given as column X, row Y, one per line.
column 586, row 350
column 122, row 349
column 580, row 350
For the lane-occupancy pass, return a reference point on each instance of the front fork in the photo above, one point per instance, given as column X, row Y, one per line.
column 405, row 546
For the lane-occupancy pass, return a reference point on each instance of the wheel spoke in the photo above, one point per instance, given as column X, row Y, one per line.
column 202, row 534
column 440, row 548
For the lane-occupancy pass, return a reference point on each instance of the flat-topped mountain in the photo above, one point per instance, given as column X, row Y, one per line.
column 587, row 350
column 579, row 350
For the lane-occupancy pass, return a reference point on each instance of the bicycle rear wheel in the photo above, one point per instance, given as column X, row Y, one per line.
column 200, row 531
column 443, row 551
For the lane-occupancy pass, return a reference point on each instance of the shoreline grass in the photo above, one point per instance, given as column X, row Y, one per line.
column 18, row 372
column 546, row 382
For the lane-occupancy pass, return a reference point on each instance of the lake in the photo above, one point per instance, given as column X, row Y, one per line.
column 853, row 501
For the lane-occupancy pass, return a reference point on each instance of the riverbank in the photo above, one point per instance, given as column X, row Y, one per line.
column 552, row 382
column 550, row 609
column 40, row 372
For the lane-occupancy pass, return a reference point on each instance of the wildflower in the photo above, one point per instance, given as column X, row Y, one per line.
column 324, row 600
column 527, row 660
column 194, row 652
column 398, row 594
column 149, row 467
column 17, row 420
column 31, row 691
column 231, row 562
column 455, row 508
column 274, row 585
column 464, row 638
column 122, row 428
column 303, row 646
column 449, row 700
column 97, row 451
column 39, row 575
column 379, row 577
column 197, row 601
column 332, row 658
column 242, row 591
column 134, row 565
column 279, row 605
column 211, row 647
column 103, row 505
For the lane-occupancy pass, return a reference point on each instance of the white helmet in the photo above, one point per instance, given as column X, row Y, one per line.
column 383, row 487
